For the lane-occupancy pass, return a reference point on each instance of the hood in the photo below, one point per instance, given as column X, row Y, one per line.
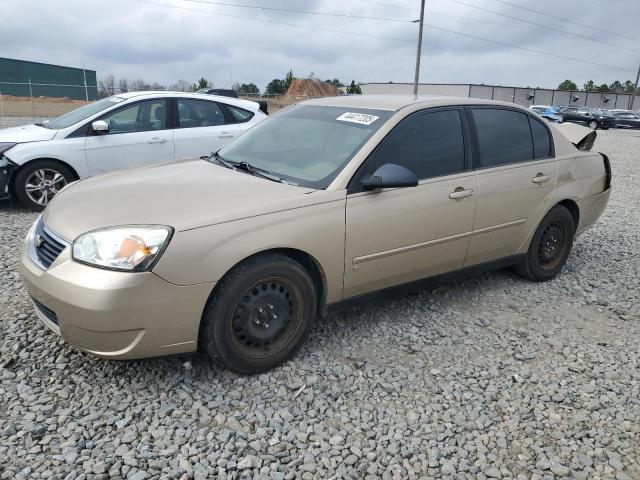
column 27, row 133
column 183, row 195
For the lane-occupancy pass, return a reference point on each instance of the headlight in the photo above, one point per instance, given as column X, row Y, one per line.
column 4, row 146
column 132, row 248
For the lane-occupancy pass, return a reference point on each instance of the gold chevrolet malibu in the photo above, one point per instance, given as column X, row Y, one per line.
column 331, row 200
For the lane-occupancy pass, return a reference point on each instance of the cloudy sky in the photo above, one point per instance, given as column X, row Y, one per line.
column 167, row 40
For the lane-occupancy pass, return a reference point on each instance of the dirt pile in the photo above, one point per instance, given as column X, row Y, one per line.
column 308, row 87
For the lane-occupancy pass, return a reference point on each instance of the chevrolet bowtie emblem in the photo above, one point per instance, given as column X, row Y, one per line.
column 37, row 241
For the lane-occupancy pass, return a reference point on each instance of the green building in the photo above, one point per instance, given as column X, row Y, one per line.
column 23, row 79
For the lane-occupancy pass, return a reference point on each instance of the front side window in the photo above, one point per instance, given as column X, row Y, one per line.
column 199, row 113
column 504, row 136
column 306, row 145
column 138, row 117
column 82, row 113
column 429, row 144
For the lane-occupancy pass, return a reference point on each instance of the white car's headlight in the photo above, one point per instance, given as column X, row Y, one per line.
column 131, row 248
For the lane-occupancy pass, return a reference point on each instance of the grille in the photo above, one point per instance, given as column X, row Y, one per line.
column 47, row 247
column 47, row 312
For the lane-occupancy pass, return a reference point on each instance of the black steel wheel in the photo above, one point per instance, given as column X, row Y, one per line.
column 259, row 314
column 550, row 246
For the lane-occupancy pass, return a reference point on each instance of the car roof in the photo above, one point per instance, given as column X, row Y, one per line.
column 168, row 93
column 398, row 102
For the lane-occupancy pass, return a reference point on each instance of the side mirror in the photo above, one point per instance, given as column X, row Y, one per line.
column 390, row 175
column 587, row 114
column 100, row 126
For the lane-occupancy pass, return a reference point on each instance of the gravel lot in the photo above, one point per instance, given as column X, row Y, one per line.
column 492, row 377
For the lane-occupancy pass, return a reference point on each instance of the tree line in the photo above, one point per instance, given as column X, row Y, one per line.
column 109, row 85
column 590, row 86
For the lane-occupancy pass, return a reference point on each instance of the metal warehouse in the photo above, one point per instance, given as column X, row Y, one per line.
column 33, row 79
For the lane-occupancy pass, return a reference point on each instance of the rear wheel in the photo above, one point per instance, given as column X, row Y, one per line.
column 38, row 182
column 550, row 246
column 260, row 314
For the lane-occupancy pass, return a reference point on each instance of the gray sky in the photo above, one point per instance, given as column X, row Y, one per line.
column 135, row 39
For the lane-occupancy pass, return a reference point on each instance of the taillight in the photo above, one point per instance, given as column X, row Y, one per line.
column 607, row 171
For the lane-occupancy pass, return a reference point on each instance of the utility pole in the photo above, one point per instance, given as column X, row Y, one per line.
column 635, row 90
column 419, row 53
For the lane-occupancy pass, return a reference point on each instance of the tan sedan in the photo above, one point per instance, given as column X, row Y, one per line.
column 328, row 201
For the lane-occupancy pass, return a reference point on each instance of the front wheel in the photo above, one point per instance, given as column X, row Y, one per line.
column 593, row 125
column 550, row 246
column 259, row 314
column 38, row 182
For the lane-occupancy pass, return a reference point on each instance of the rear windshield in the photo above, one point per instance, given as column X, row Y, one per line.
column 306, row 145
column 82, row 113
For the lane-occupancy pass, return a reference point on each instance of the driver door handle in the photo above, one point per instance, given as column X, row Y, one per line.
column 158, row 140
column 226, row 135
column 541, row 178
column 460, row 193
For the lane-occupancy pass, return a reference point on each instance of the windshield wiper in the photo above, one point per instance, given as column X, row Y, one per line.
column 219, row 159
column 245, row 167
column 261, row 172
column 41, row 124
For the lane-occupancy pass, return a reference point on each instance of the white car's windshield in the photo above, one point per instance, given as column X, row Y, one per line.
column 79, row 114
column 306, row 145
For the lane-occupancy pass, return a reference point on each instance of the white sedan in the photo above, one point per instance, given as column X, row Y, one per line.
column 123, row 131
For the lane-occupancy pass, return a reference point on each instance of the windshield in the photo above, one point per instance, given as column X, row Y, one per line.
column 79, row 114
column 306, row 145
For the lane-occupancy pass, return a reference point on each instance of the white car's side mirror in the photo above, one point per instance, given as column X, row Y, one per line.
column 100, row 126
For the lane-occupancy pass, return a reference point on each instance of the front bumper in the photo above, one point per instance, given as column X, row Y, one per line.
column 117, row 315
column 6, row 170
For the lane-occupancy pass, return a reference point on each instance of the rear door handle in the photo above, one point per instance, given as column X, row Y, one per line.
column 460, row 193
column 226, row 135
column 158, row 140
column 541, row 178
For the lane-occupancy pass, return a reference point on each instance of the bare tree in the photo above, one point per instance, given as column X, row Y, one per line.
column 181, row 86
column 106, row 86
column 123, row 85
column 139, row 85
column 157, row 86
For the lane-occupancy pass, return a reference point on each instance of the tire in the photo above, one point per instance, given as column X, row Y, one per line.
column 593, row 125
column 550, row 246
column 37, row 182
column 260, row 314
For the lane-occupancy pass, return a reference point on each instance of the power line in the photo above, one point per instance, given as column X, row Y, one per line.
column 540, row 52
column 308, row 27
column 307, row 12
column 544, row 26
column 383, row 4
column 565, row 20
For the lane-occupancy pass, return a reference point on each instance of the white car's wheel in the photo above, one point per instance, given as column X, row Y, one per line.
column 38, row 182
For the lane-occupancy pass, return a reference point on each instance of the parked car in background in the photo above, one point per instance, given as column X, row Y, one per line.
column 328, row 201
column 590, row 117
column 124, row 131
column 627, row 120
column 264, row 106
column 223, row 92
column 547, row 111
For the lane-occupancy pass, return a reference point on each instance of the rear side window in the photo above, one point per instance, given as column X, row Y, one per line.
column 429, row 144
column 541, row 139
column 504, row 137
column 240, row 115
column 199, row 113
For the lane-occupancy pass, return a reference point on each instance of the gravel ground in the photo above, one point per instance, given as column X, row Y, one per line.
column 492, row 377
column 6, row 122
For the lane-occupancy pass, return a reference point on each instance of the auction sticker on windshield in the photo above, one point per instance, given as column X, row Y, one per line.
column 361, row 118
